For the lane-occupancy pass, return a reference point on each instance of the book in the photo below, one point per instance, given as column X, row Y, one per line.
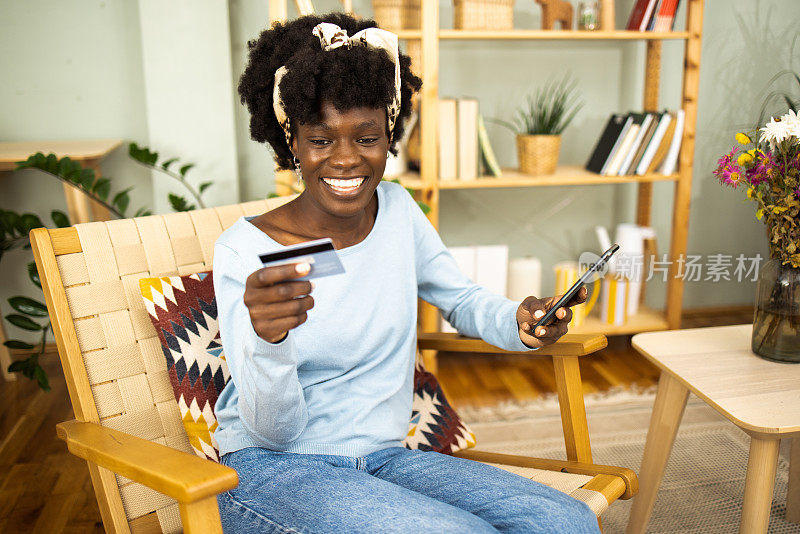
column 653, row 145
column 652, row 21
column 448, row 147
column 487, row 153
column 628, row 161
column 671, row 160
column 467, row 138
column 672, row 25
column 625, row 146
column 606, row 143
column 663, row 147
column 665, row 16
column 648, row 135
column 640, row 15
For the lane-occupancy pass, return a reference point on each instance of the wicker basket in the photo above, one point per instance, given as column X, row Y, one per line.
column 483, row 14
column 538, row 154
column 396, row 15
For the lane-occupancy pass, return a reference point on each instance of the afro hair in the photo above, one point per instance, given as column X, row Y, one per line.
column 347, row 78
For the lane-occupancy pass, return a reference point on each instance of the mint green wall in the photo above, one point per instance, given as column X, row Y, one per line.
column 74, row 70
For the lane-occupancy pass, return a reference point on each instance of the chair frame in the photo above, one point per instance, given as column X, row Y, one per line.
column 195, row 482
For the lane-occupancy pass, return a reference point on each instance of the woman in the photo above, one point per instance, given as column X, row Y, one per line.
column 320, row 397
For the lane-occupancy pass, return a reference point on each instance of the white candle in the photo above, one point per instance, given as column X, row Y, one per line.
column 524, row 278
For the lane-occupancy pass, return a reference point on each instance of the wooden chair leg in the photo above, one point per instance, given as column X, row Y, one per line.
column 667, row 413
column 761, row 466
column 793, row 493
column 573, row 409
column 201, row 517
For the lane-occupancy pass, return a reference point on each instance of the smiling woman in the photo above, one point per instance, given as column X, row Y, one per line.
column 314, row 416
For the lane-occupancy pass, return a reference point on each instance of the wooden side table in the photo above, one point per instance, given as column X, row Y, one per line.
column 760, row 397
column 88, row 153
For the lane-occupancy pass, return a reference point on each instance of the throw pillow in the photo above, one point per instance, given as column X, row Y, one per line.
column 183, row 310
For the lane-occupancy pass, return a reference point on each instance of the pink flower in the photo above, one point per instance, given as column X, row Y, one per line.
column 757, row 174
column 797, row 193
column 731, row 175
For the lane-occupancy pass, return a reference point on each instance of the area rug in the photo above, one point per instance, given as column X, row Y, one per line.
column 703, row 484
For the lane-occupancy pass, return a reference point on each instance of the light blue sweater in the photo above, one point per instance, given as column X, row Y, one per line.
column 341, row 383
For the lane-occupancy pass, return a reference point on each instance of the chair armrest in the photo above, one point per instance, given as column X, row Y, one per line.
column 565, row 466
column 567, row 345
column 185, row 477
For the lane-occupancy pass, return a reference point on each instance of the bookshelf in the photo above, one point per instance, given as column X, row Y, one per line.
column 427, row 185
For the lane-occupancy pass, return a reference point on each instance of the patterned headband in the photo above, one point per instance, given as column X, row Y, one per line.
column 332, row 36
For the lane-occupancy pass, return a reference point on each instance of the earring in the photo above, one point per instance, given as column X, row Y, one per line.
column 297, row 170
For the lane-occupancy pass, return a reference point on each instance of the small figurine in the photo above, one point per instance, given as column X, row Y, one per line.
column 556, row 11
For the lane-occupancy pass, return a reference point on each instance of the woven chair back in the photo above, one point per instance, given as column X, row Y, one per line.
column 122, row 356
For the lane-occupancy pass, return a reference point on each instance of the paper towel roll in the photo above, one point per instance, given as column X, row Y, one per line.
column 524, row 278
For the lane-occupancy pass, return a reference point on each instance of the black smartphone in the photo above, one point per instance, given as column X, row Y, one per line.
column 562, row 302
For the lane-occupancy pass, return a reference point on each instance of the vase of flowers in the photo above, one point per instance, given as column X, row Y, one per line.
column 769, row 170
column 539, row 126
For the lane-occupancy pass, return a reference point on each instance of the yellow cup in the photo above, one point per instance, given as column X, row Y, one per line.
column 567, row 273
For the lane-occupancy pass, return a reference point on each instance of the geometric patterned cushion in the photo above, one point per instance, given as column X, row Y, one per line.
column 183, row 311
column 435, row 425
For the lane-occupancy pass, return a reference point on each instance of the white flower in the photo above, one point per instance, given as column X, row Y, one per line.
column 792, row 122
column 775, row 131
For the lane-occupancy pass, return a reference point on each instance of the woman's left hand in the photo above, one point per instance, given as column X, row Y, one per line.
column 532, row 309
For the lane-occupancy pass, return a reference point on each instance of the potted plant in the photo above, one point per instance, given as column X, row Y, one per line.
column 539, row 125
column 770, row 171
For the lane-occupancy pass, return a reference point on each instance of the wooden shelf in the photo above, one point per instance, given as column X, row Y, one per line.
column 564, row 175
column 548, row 35
column 646, row 320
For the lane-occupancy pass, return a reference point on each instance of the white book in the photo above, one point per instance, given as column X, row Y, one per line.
column 465, row 260
column 671, row 161
column 652, row 147
column 624, row 149
column 617, row 143
column 448, row 147
column 467, row 116
column 626, row 164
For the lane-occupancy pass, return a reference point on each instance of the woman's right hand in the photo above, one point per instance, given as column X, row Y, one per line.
column 276, row 302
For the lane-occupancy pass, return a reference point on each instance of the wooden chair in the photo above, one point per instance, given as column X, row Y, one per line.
column 128, row 425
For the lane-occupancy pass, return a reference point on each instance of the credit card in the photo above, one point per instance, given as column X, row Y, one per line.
column 320, row 254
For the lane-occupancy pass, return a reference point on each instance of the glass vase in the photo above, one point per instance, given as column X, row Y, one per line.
column 776, row 322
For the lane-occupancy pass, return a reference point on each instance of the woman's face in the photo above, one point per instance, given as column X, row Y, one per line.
column 343, row 157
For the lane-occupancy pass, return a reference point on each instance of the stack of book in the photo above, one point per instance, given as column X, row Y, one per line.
column 653, row 15
column 463, row 141
column 639, row 143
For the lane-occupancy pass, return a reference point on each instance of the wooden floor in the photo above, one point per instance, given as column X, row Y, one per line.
column 45, row 489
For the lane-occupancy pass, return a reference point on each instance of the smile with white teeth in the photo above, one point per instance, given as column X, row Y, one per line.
column 344, row 186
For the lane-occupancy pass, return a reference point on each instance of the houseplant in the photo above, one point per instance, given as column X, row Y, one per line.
column 539, row 125
column 769, row 169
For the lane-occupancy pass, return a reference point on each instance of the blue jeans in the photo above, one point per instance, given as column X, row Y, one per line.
column 390, row 490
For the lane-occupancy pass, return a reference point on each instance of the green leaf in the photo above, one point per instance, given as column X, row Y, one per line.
column 186, row 168
column 9, row 221
column 86, row 178
column 204, row 186
column 102, row 187
column 30, row 221
column 121, row 200
column 179, row 203
column 51, row 164
column 41, row 377
column 424, row 207
column 28, row 306
column 142, row 212
column 33, row 274
column 60, row 218
column 167, row 163
column 17, row 344
column 273, row 194
column 23, row 322
column 18, row 366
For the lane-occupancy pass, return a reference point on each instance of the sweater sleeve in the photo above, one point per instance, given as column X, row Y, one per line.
column 472, row 310
column 271, row 404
